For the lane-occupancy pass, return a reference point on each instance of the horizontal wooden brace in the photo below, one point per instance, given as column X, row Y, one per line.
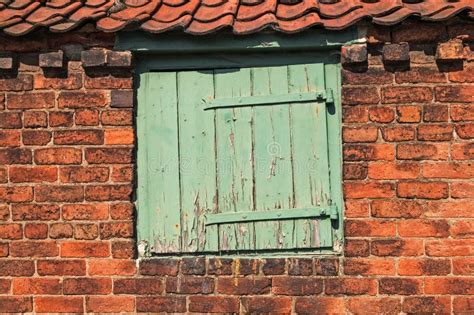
column 265, row 100
column 270, row 215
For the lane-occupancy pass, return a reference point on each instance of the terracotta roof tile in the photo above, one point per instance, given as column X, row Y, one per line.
column 18, row 17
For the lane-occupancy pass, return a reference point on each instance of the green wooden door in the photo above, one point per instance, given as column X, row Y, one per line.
column 236, row 159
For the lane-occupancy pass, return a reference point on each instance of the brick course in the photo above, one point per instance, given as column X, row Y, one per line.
column 66, row 191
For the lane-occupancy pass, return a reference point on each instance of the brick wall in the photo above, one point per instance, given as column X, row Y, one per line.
column 66, row 189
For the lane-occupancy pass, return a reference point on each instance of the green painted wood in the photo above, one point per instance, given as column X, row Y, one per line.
column 272, row 168
column 234, row 158
column 163, row 161
column 177, row 43
column 197, row 161
column 264, row 100
column 270, row 215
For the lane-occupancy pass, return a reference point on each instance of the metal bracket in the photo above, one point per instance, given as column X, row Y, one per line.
column 271, row 215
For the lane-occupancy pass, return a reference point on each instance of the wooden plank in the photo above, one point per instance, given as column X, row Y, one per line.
column 197, row 160
column 234, row 158
column 309, row 145
column 265, row 100
column 161, row 141
column 269, row 215
column 272, row 165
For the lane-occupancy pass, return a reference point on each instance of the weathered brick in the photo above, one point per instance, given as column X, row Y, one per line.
column 34, row 249
column 360, row 95
column 159, row 267
column 425, row 190
column 51, row 59
column 369, row 267
column 58, row 155
column 59, row 304
column 396, row 209
column 398, row 133
column 369, row 228
column 11, row 120
column 409, row 113
column 423, row 267
column 432, row 132
column 324, row 305
column 269, row 305
column 449, row 51
column 94, row 58
column 465, row 131
column 38, row 174
column 379, row 305
column 85, row 249
column 190, row 285
column 54, row 267
column 116, row 117
column 360, row 134
column 109, row 155
column 10, row 138
column 422, row 151
column 368, row 190
column 36, row 231
column 60, row 230
column 450, row 247
column 382, row 170
column 35, row 212
column 98, row 211
column 119, row 58
column 396, row 247
column 350, row 286
column 30, row 100
column 356, row 248
column 13, row 194
column 400, row 286
column 75, row 137
column 87, row 117
column 36, row 137
column 427, row 304
column 11, row 231
column 168, row 304
column 60, row 119
column 138, row 286
column 421, row 75
column 369, row 152
column 37, row 286
column 59, row 193
column 193, row 266
column 353, row 54
column 452, row 285
column 406, row 94
column 108, row 192
column 244, row 286
column 396, row 52
column 86, row 231
column 454, row 93
column 72, row 82
column 109, row 304
column 121, row 99
column 11, row 304
column 296, row 286
column 73, row 99
column 122, row 136
column 17, row 268
column 81, row 286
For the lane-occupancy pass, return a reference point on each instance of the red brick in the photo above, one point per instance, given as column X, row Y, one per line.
column 86, row 231
column 355, row 114
column 423, row 228
column 356, row 248
column 448, row 248
column 59, row 193
column 10, row 138
column 112, row 267
column 82, row 286
column 369, row 305
column 435, row 113
column 11, row 231
column 356, row 209
column 117, row 118
column 109, row 155
column 34, row 249
column 75, row 137
column 4, row 248
column 360, row 134
column 59, row 304
column 382, row 170
column 61, row 267
column 396, row 247
column 459, row 151
column 122, row 173
column 121, row 211
column 350, row 286
column 16, row 194
column 406, row 94
column 15, row 156
column 409, row 114
column 86, row 117
column 400, row 286
column 369, row 152
column 72, row 82
column 431, row 132
column 222, row 266
column 448, row 170
column 37, row 286
column 369, row 267
column 108, row 192
column 10, row 120
column 462, row 112
column 4, row 212
column 456, row 93
column 424, row 267
column 462, row 76
column 58, row 156
column 98, row 211
column 465, row 131
column 190, row 285
column 396, row 53
column 3, row 175
column 426, row 190
column 381, row 114
column 369, row 228
column 296, row 286
column 5, row 285
column 259, row 305
column 326, row 266
column 121, row 98
column 398, row 133
column 17, row 268
column 123, row 249
column 463, row 305
column 354, row 171
column 421, row 75
column 462, row 190
column 423, row 151
column 35, row 212
column 427, row 304
column 169, row 304
column 273, row 266
column 353, row 54
column 36, row 230
column 36, row 137
column 37, row 174
column 108, row 82
column 10, row 304
column 360, row 95
column 35, row 119
column 368, row 190
column 371, row 76
column 60, row 119
column 396, row 209
column 85, row 249
column 463, row 266
column 73, row 99
column 60, row 230
column 323, row 305
column 30, row 100
column 80, row 174
column 418, row 33
column 23, row 82
column 110, row 304
column 138, row 286
column 462, row 229
column 159, row 267
column 451, row 285
column 450, row 209
column 121, row 136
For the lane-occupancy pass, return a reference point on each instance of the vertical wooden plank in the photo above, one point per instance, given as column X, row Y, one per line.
column 334, row 118
column 197, row 160
column 234, row 158
column 163, row 161
column 272, row 165
column 310, row 151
